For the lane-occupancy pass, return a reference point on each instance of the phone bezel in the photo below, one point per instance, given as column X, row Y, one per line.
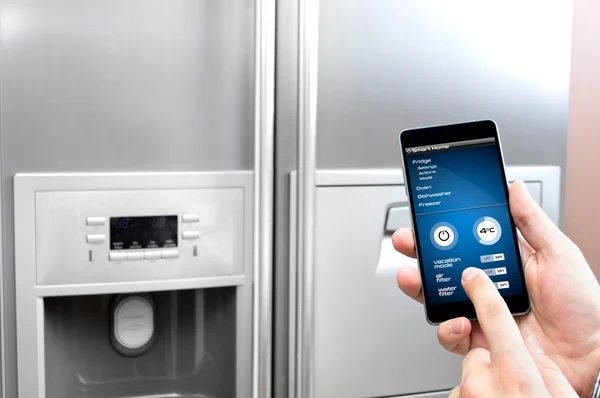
column 431, row 135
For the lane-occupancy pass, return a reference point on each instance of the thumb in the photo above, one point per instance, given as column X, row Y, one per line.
column 556, row 383
column 535, row 226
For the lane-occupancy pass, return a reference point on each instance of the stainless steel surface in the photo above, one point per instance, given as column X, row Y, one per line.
column 286, row 145
column 548, row 190
column 358, row 305
column 387, row 65
column 2, row 299
column 307, row 142
column 147, row 85
column 364, row 326
column 264, row 163
column 112, row 86
column 193, row 353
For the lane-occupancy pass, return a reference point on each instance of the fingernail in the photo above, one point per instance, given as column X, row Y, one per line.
column 456, row 327
column 469, row 273
column 534, row 345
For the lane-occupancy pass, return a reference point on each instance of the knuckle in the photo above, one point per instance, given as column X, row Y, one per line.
column 512, row 376
column 470, row 388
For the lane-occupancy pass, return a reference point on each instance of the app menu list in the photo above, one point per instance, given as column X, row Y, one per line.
column 428, row 196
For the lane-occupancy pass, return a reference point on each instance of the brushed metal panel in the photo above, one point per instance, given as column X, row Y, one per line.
column 120, row 86
column 387, row 65
column 370, row 339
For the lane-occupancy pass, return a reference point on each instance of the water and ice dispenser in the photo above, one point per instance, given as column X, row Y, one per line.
column 134, row 285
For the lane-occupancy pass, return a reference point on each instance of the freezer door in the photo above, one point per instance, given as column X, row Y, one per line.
column 370, row 339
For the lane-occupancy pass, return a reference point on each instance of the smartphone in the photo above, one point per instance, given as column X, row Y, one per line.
column 458, row 195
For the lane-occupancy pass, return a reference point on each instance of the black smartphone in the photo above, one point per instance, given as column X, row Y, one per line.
column 458, row 195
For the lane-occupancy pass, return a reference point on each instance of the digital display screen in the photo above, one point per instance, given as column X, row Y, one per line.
column 148, row 232
column 462, row 217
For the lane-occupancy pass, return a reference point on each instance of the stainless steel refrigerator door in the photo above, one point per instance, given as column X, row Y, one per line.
column 135, row 86
column 387, row 65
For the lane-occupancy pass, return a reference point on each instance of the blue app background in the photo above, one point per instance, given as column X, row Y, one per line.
column 473, row 177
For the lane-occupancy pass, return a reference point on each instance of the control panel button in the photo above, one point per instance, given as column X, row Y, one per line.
column 171, row 253
column 96, row 238
column 190, row 234
column 117, row 256
column 95, row 221
column 153, row 255
column 135, row 256
column 190, row 218
column 443, row 236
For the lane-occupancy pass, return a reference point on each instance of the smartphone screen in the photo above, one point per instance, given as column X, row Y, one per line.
column 458, row 197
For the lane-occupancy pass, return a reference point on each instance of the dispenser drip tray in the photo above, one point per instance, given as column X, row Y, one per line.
column 187, row 349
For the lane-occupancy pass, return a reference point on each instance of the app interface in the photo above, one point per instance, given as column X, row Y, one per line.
column 462, row 217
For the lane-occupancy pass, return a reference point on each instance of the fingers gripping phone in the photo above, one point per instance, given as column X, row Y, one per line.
column 458, row 196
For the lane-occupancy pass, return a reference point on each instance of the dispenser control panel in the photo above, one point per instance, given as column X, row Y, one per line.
column 104, row 236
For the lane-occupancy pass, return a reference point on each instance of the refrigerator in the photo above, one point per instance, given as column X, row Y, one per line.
column 248, row 131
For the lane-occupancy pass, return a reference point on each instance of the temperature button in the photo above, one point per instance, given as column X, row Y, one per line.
column 135, row 256
column 170, row 253
column 190, row 218
column 117, row 256
column 487, row 231
column 190, row 234
column 153, row 255
column 96, row 238
column 95, row 221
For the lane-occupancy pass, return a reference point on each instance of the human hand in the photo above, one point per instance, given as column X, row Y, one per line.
column 510, row 367
column 564, row 293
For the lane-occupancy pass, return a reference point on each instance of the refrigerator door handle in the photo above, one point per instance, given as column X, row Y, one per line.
column 306, row 199
column 264, row 163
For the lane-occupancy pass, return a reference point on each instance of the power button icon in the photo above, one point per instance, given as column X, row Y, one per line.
column 443, row 236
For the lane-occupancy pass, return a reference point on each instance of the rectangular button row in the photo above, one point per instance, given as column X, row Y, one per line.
column 101, row 238
column 149, row 255
column 98, row 221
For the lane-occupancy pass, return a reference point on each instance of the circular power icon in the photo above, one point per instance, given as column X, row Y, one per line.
column 487, row 230
column 443, row 236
